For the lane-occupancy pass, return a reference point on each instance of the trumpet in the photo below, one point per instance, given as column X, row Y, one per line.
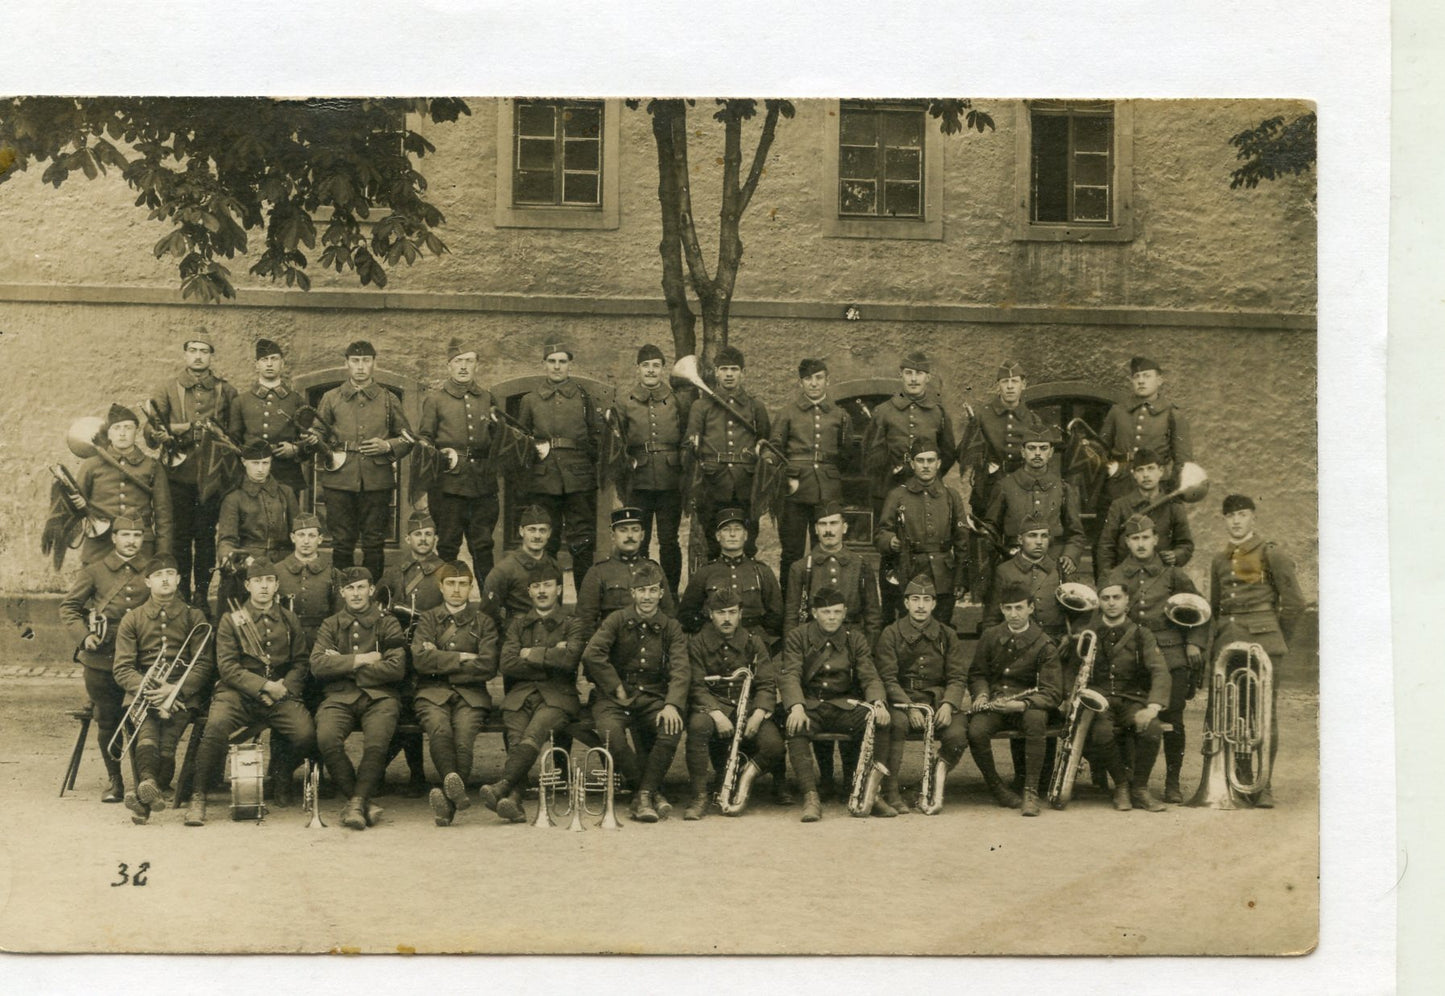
column 311, row 797
column 739, row 772
column 551, row 779
column 603, row 779
column 869, row 775
column 171, row 671
column 1237, row 728
column 1079, row 712
column 935, row 768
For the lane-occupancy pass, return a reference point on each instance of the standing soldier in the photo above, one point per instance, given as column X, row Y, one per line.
column 358, row 657
column 1150, row 583
column 306, row 584
column 1255, row 598
column 653, row 419
column 103, row 592
column 266, row 411
column 194, row 395
column 724, row 432
column 1036, row 487
column 1038, row 571
column 366, row 421
column 505, row 589
column 924, row 526
column 608, row 585
column 463, row 500
column 816, row 436
column 563, row 420
column 120, row 481
column 1171, row 522
column 1146, row 421
column 831, row 565
column 256, row 520
column 761, row 597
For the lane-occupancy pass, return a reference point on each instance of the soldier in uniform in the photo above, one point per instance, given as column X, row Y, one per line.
column 359, row 657
column 825, row 664
column 1254, row 597
column 608, row 585
column 163, row 625
column 260, row 682
column 1015, row 681
column 366, row 421
column 1038, row 571
column 654, row 417
column 1037, row 487
column 121, row 481
column 108, row 588
column 539, row 673
column 1146, row 421
column 724, row 433
column 266, row 411
column 717, row 650
column 255, row 520
column 924, row 525
column 816, row 436
column 505, row 589
column 831, row 565
column 638, row 661
column 1171, row 522
column 454, row 651
column 920, row 659
column 306, row 584
column 563, row 419
column 1150, row 582
column 463, row 500
column 196, row 393
column 754, row 581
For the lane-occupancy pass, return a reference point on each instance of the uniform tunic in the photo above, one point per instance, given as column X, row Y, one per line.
column 111, row 585
column 932, row 537
column 1150, row 584
column 844, row 570
column 268, row 414
column 1005, row 663
column 141, row 636
column 726, row 447
column 653, row 420
column 897, row 423
column 111, row 492
column 190, row 397
column 441, row 673
column 816, row 437
column 922, row 663
column 1255, row 596
column 1128, row 665
column 998, row 441
column 356, row 414
column 645, row 655
column 1041, row 577
column 256, row 519
column 504, row 592
column 562, row 415
column 349, row 634
column 457, row 417
column 283, row 642
column 820, row 667
column 309, row 589
column 414, row 583
column 757, row 587
column 533, row 661
column 608, row 588
column 715, row 656
column 1171, row 525
column 1158, row 425
column 1046, row 495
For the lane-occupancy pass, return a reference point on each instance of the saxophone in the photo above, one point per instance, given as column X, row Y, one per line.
column 870, row 772
column 1079, row 711
column 991, row 705
column 733, row 794
column 935, row 769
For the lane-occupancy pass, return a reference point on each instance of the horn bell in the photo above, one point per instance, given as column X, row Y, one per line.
column 83, row 435
column 1185, row 609
column 1077, row 597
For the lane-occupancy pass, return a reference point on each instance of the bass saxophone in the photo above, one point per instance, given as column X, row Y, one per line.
column 935, row 768
column 870, row 772
column 1083, row 703
column 732, row 796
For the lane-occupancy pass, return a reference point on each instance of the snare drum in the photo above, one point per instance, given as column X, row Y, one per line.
column 246, row 764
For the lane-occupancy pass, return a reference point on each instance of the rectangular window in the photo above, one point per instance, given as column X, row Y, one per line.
column 557, row 153
column 1071, row 164
column 880, row 160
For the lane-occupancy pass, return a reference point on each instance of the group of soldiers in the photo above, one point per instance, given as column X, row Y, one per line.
column 315, row 650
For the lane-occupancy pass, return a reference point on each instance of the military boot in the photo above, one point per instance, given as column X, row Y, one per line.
column 353, row 814
column 140, row 812
column 812, row 807
column 196, row 812
column 1031, row 801
column 149, row 794
column 441, row 808
column 643, row 810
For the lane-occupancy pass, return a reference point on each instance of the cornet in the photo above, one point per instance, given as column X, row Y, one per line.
column 551, row 779
column 603, row 779
column 311, row 797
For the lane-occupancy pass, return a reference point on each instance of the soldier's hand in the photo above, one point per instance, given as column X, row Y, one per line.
column 915, row 719
column 288, row 451
column 755, row 723
column 1169, row 557
column 428, row 645
column 1066, row 564
column 375, row 446
column 1193, row 655
column 943, row 716
column 979, row 704
column 669, row 720
column 466, row 656
column 894, row 545
column 1144, row 717
column 993, row 468
column 798, row 723
column 423, row 503
column 329, row 652
column 266, row 700
column 157, row 695
column 721, row 721
column 621, row 695
column 310, row 437
column 792, row 485
column 90, row 642
column 880, row 714
column 276, row 690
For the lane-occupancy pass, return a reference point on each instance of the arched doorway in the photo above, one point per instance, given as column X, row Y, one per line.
column 1059, row 403
column 859, row 398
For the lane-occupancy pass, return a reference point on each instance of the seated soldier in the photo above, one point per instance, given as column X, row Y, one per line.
column 261, row 659
column 454, row 650
column 1015, row 681
column 753, row 580
column 504, row 589
column 360, row 660
column 1038, row 571
column 825, row 665
column 721, row 647
column 539, row 672
column 164, row 626
column 255, row 520
column 920, row 659
column 638, row 661
column 607, row 584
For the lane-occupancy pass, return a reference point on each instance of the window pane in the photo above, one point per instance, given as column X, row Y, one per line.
column 857, row 128
column 1091, row 204
column 1091, row 134
column 904, row 164
column 902, row 199
column 857, row 197
column 535, row 119
column 1050, row 171
column 582, row 121
column 535, row 188
column 1091, row 170
column 903, row 128
column 854, row 161
column 582, row 155
column 579, row 188
column 535, row 153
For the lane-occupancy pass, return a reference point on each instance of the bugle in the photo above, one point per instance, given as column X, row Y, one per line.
column 732, row 795
column 1237, row 728
column 868, row 776
column 1193, row 487
column 69, row 490
column 686, row 368
column 1079, row 710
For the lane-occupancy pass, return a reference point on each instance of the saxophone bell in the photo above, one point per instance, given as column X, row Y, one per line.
column 869, row 775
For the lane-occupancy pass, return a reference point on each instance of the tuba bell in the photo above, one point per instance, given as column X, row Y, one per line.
column 1076, row 596
column 1237, row 729
column 1187, row 610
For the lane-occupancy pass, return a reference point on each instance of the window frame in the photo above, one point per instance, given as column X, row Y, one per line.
column 605, row 215
column 927, row 226
column 1121, row 207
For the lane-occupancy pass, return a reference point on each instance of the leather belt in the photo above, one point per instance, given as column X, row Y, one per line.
column 653, row 448
column 926, row 548
column 729, row 460
column 564, row 443
column 916, row 684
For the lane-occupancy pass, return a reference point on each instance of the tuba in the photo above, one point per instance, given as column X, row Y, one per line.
column 935, row 769
column 869, row 775
column 1079, row 710
column 1237, row 728
column 739, row 772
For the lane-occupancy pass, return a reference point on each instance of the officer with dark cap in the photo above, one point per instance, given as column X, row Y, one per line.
column 754, row 581
column 723, row 433
column 565, row 423
column 120, row 480
column 360, row 661
column 454, row 651
column 653, row 418
column 638, row 661
column 266, row 411
column 608, row 585
column 1171, row 522
column 255, row 520
column 717, row 651
column 924, row 524
column 456, row 419
column 504, row 591
column 816, row 436
column 1035, row 569
column 195, row 394
column 1146, row 421
column 364, row 420
column 1036, row 487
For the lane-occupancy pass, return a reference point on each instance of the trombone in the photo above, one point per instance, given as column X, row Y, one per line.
column 171, row 671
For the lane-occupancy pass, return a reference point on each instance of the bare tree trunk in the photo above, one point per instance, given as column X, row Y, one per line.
column 674, row 287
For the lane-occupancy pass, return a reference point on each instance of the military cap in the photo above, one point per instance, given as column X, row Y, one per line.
column 453, row 569
column 1032, row 521
column 923, row 444
column 1235, row 503
column 547, row 571
column 826, row 596
column 1144, row 456
column 202, row 336
column 726, row 515
column 1136, row 524
column 1140, row 363
column 306, row 520
column 921, row 585
column 723, row 598
column 625, row 515
column 809, row 366
column 1013, row 592
column 916, row 360
column 351, row 575
column 1009, row 368
column 130, row 522
column 458, row 347
column 266, row 347
column 645, row 573
column 161, row 562
column 1114, row 580
column 556, row 347
column 419, row 520
column 261, row 567
column 650, row 352
column 361, row 348
column 728, row 356
column 533, row 515
column 256, row 449
column 119, row 413
column 826, row 509
column 1041, row 433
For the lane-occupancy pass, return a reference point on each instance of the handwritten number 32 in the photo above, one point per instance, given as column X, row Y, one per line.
column 139, row 878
